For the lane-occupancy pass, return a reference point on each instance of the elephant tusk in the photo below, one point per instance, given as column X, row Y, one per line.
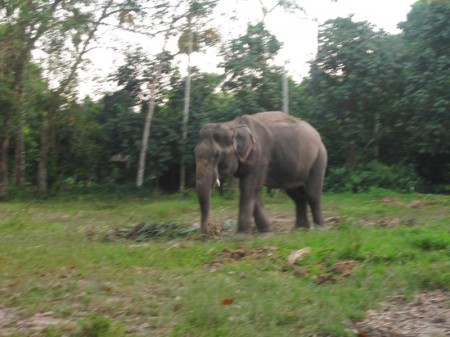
column 218, row 182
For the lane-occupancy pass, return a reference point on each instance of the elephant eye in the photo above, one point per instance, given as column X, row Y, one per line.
column 216, row 154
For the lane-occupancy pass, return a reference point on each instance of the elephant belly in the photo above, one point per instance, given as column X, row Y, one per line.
column 290, row 167
column 286, row 177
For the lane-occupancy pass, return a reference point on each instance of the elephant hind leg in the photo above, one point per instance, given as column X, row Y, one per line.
column 313, row 189
column 299, row 196
column 316, row 210
column 261, row 219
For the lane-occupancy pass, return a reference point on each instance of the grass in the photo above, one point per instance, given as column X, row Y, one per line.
column 51, row 263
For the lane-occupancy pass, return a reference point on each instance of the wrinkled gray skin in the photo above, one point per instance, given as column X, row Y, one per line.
column 267, row 148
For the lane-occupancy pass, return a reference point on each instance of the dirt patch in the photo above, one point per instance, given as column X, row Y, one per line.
column 344, row 267
column 390, row 222
column 322, row 273
column 282, row 223
column 419, row 203
column 392, row 201
column 7, row 317
column 427, row 316
column 228, row 255
column 10, row 323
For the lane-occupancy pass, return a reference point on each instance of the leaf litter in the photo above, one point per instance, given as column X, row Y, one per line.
column 151, row 231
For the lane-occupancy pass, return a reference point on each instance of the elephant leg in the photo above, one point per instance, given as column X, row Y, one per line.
column 246, row 206
column 313, row 189
column 314, row 203
column 261, row 219
column 299, row 196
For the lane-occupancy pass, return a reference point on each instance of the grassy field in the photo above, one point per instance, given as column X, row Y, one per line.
column 64, row 274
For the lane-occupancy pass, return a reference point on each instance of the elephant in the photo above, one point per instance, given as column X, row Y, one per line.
column 267, row 148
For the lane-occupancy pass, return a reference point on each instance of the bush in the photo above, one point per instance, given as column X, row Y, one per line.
column 369, row 175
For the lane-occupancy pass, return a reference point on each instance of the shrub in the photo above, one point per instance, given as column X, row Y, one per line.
column 372, row 174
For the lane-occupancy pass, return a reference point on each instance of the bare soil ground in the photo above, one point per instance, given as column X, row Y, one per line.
column 10, row 323
column 427, row 316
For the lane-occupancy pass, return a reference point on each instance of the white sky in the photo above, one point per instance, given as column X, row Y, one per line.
column 298, row 32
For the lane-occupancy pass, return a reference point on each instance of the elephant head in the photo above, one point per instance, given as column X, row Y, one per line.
column 221, row 149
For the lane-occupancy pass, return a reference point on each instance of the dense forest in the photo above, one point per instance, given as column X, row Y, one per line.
column 380, row 101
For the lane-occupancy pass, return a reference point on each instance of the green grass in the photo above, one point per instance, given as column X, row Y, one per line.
column 50, row 261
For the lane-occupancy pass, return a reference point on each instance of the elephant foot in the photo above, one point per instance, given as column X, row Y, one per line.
column 300, row 228
column 263, row 229
column 241, row 236
column 245, row 228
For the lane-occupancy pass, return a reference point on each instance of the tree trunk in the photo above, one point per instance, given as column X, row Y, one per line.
column 285, row 89
column 19, row 155
column 187, row 98
column 4, row 146
column 147, row 125
column 376, row 136
column 351, row 159
column 146, row 135
column 44, row 151
column 150, row 112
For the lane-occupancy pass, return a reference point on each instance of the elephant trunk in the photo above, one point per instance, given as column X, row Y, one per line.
column 204, row 198
column 205, row 180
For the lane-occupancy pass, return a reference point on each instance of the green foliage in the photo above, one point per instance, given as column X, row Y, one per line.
column 426, row 101
column 432, row 241
column 355, row 79
column 381, row 97
column 373, row 174
column 255, row 83
column 196, row 15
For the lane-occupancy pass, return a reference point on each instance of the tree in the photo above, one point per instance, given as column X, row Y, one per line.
column 248, row 73
column 79, row 145
column 167, row 17
column 119, row 137
column 8, row 101
column 288, row 6
column 210, row 105
column 49, row 25
column 355, row 79
column 134, row 77
column 426, row 100
column 192, row 40
column 65, row 60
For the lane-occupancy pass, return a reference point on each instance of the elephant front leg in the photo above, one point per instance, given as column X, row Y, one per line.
column 246, row 206
column 261, row 219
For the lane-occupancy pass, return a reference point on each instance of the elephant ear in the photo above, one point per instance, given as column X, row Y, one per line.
column 243, row 142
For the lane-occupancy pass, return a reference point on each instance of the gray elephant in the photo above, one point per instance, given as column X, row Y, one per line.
column 268, row 148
